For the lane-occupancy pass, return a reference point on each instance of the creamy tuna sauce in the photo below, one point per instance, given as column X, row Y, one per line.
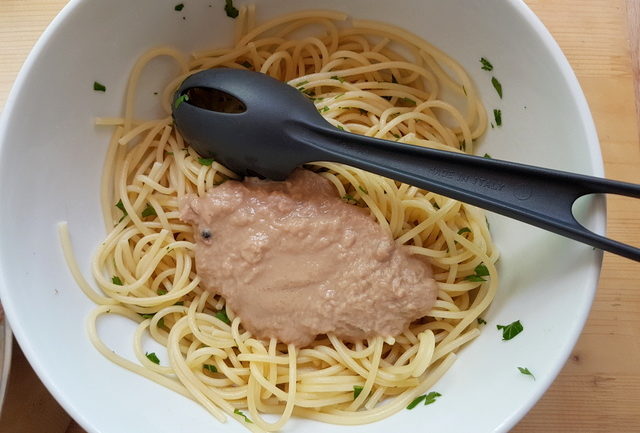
column 293, row 261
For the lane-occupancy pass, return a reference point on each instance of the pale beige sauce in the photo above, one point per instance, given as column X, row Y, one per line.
column 294, row 261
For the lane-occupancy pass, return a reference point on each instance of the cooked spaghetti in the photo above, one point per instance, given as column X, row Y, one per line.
column 364, row 77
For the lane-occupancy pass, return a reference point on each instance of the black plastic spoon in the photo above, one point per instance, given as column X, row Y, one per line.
column 254, row 124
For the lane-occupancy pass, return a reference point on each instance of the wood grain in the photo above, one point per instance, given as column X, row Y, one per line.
column 599, row 388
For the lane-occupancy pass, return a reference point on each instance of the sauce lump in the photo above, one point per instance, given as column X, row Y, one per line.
column 293, row 261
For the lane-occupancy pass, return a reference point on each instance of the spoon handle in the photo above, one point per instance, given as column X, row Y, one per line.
column 539, row 196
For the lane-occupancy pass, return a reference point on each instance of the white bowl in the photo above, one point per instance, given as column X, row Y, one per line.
column 51, row 158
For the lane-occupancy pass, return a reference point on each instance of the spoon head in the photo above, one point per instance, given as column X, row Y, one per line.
column 243, row 120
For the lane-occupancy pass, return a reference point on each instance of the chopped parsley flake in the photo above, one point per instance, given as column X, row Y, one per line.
column 431, row 397
column 481, row 321
column 99, row 87
column 361, row 188
column 427, row 398
column 162, row 292
column 149, row 211
column 210, row 367
column 486, row 155
column 206, row 161
column 497, row 115
column 222, row 315
column 340, row 127
column 408, row 101
column 479, row 272
column 239, row 412
column 178, row 7
column 120, row 206
column 416, row 402
column 486, row 65
column 230, row 9
column 323, row 109
column 357, row 389
column 349, row 198
column 146, row 316
column 497, row 86
column 526, row 371
column 511, row 330
column 116, row 280
column 335, row 77
column 161, row 322
column 152, row 357
column 464, row 230
column 180, row 100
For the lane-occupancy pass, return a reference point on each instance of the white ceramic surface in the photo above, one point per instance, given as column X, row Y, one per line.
column 51, row 157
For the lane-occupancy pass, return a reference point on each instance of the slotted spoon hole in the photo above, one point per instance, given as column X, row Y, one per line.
column 586, row 211
column 215, row 100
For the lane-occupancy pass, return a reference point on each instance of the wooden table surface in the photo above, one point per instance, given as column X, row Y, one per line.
column 599, row 388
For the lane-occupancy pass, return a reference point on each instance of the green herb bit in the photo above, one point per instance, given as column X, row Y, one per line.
column 206, row 161
column 116, row 280
column 497, row 115
column 178, row 7
column 396, row 135
column 486, row 155
column 486, row 65
column 149, row 211
column 222, row 315
column 302, row 83
column 120, row 206
column 210, row 367
column 340, row 128
column 431, row 397
column 230, row 9
column 409, row 101
column 239, row 412
column 179, row 303
column 323, row 109
column 99, row 87
column 146, row 316
column 416, row 402
column 481, row 321
column 335, row 77
column 361, row 188
column 162, row 292
column 464, row 230
column 180, row 100
column 357, row 389
column 526, row 371
column 511, row 330
column 152, row 357
column 349, row 198
column 161, row 322
column 497, row 86
column 481, row 270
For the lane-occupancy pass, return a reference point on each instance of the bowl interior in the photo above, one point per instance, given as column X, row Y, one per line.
column 51, row 158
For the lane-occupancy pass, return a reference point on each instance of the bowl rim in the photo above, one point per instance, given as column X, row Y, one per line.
column 597, row 169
